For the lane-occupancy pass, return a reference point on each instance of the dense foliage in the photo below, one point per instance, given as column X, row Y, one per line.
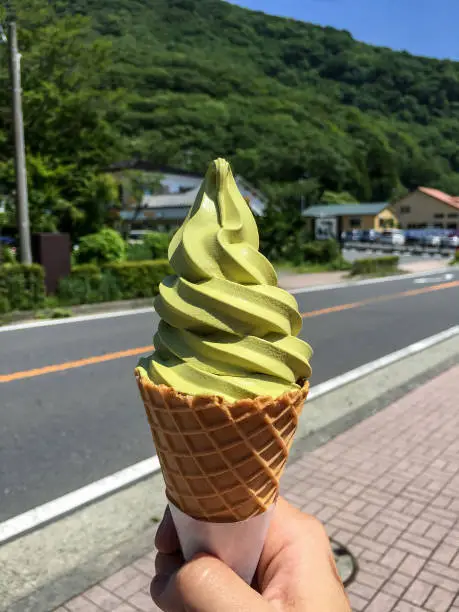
column 21, row 287
column 125, row 280
column 285, row 100
column 102, row 247
column 69, row 119
column 377, row 265
column 303, row 112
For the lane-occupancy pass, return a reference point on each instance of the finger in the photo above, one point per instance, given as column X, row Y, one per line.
column 166, row 540
column 168, row 564
column 205, row 584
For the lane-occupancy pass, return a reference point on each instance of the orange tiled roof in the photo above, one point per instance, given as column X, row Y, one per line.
column 441, row 196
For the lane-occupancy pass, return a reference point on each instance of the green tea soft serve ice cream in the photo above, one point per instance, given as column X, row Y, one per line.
column 226, row 328
column 226, row 384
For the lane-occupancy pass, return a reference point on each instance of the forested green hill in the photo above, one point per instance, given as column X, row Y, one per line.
column 298, row 109
column 283, row 99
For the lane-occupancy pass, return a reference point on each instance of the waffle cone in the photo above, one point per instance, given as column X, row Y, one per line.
column 221, row 461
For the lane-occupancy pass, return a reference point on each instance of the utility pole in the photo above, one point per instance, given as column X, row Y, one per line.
column 22, row 204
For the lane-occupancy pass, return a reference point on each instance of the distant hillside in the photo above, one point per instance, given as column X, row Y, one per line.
column 285, row 100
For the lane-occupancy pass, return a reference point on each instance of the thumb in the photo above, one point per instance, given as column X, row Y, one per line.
column 206, row 584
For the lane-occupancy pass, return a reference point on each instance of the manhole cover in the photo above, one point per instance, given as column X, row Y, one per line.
column 345, row 561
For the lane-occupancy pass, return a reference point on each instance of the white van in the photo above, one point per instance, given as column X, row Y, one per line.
column 393, row 236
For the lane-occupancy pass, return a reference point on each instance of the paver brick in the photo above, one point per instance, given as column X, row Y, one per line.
column 418, row 592
column 440, row 600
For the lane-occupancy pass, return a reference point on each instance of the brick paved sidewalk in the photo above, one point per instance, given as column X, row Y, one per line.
column 388, row 489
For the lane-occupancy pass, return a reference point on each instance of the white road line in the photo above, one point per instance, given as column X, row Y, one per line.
column 382, row 362
column 61, row 506
column 138, row 311
column 370, row 281
column 433, row 279
column 76, row 499
column 77, row 319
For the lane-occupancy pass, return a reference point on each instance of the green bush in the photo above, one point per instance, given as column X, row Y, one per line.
column 88, row 284
column 106, row 246
column 86, row 271
column 7, row 255
column 158, row 244
column 88, row 288
column 320, row 251
column 374, row 266
column 21, row 287
column 137, row 279
column 138, row 252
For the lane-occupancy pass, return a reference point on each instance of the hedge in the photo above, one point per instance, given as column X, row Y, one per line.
column 137, row 279
column 320, row 251
column 125, row 280
column 21, row 287
column 376, row 265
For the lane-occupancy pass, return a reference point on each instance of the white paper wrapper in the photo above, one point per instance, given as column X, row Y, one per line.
column 239, row 545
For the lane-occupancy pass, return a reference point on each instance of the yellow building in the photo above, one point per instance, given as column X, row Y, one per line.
column 427, row 207
column 329, row 220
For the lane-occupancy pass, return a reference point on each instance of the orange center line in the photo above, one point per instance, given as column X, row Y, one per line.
column 69, row 365
column 381, row 298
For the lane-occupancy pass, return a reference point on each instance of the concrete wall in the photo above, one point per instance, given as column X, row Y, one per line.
column 420, row 210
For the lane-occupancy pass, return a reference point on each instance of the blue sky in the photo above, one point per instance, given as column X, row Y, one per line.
column 422, row 27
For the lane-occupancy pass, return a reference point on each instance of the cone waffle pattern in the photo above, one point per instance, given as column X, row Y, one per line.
column 222, row 462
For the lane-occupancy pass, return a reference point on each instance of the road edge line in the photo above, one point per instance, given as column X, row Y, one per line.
column 76, row 319
column 40, row 515
column 368, row 281
column 57, row 508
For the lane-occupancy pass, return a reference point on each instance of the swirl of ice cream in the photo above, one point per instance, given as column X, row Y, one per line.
column 226, row 327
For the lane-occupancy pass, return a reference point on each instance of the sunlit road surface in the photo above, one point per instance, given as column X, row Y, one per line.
column 70, row 411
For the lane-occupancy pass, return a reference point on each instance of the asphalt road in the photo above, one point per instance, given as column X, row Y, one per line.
column 64, row 429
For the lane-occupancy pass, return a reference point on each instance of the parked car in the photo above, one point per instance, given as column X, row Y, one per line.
column 354, row 235
column 370, row 236
column 431, row 239
column 393, row 236
column 413, row 236
column 450, row 240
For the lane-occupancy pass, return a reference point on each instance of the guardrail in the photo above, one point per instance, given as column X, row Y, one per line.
column 413, row 249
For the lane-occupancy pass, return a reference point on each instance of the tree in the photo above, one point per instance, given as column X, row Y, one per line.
column 68, row 117
column 331, row 197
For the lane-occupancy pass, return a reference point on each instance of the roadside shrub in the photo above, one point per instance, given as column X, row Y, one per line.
column 320, row 251
column 374, row 266
column 7, row 255
column 138, row 252
column 21, row 287
column 88, row 284
column 138, row 279
column 158, row 244
column 104, row 247
column 88, row 287
column 86, row 271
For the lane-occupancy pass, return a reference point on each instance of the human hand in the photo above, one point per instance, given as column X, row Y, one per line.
column 296, row 572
